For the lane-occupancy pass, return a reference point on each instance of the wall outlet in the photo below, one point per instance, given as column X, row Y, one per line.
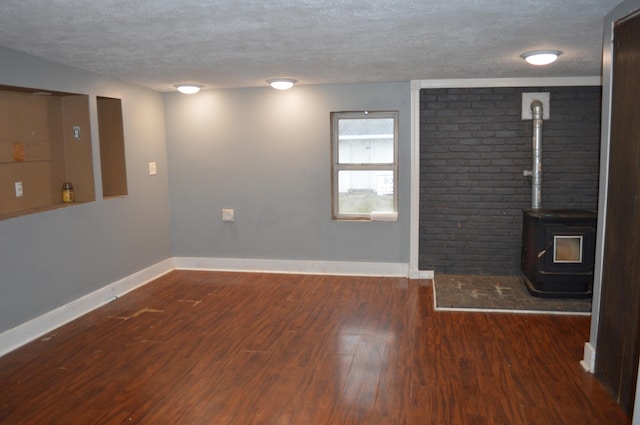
column 153, row 169
column 19, row 191
column 227, row 214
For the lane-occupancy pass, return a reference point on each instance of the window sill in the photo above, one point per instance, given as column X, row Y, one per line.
column 375, row 216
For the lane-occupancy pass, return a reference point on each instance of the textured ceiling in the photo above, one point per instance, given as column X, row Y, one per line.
column 242, row 43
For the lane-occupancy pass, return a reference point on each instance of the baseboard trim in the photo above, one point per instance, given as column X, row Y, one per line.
column 340, row 268
column 424, row 274
column 588, row 361
column 41, row 325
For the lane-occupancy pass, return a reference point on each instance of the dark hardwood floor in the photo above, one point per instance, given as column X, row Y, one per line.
column 241, row 348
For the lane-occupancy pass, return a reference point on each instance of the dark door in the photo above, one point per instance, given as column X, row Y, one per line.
column 618, row 342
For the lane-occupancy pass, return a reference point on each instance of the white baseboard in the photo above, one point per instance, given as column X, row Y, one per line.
column 424, row 274
column 588, row 361
column 41, row 325
column 28, row 331
column 346, row 268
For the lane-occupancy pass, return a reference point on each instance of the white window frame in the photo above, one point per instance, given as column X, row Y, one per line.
column 336, row 167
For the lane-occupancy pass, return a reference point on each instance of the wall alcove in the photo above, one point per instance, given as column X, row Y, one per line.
column 45, row 142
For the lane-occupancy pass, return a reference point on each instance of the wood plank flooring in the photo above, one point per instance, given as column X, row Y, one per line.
column 245, row 348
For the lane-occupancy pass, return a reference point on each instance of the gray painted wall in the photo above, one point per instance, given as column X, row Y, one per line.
column 267, row 154
column 51, row 258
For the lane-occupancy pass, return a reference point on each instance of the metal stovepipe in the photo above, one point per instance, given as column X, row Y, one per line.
column 536, row 144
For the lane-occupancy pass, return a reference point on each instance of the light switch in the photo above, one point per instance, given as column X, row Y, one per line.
column 153, row 170
column 227, row 214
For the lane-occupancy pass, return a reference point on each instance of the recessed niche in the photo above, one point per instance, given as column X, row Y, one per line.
column 112, row 155
column 45, row 142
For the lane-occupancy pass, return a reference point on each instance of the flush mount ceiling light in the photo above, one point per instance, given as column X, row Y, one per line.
column 282, row 83
column 541, row 57
column 188, row 88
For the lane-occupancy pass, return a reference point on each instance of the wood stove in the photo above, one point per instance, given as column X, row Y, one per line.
column 558, row 250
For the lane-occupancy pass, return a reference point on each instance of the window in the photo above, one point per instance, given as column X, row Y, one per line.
column 364, row 169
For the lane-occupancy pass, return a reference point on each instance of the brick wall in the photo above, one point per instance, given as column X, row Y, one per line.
column 473, row 149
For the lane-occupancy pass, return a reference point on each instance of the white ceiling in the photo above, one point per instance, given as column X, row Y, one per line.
column 242, row 43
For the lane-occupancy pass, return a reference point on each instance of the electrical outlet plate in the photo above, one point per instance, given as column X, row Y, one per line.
column 153, row 170
column 19, row 191
column 227, row 214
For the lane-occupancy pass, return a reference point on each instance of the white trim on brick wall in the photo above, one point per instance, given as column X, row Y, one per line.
column 414, row 218
column 510, row 82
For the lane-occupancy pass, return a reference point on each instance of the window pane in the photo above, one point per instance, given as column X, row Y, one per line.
column 365, row 141
column 361, row 192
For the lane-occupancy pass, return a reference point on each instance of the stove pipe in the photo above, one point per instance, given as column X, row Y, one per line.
column 536, row 145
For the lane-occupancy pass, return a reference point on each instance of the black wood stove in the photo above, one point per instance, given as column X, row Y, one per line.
column 558, row 250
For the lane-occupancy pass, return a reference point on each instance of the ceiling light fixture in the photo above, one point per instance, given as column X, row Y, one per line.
column 282, row 83
column 188, row 88
column 541, row 57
